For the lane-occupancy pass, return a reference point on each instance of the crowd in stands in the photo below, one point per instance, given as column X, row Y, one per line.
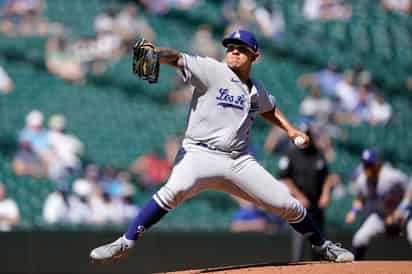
column 47, row 152
column 163, row 6
column 153, row 169
column 25, row 18
column 403, row 6
column 101, row 197
column 115, row 32
column 349, row 98
column 326, row 10
column 245, row 14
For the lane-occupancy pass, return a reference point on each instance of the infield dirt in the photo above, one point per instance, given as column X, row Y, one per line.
column 364, row 267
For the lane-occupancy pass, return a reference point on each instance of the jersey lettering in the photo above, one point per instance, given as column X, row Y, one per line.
column 225, row 99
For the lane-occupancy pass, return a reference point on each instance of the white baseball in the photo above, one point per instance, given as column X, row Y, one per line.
column 299, row 140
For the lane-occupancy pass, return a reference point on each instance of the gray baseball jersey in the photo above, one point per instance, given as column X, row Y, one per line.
column 214, row 150
column 222, row 109
column 386, row 196
column 389, row 177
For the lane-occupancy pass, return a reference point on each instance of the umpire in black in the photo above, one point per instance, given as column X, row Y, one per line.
column 305, row 172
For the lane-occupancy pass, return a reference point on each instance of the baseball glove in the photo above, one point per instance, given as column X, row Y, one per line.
column 146, row 61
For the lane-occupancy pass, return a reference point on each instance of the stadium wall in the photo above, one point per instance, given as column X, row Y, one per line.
column 67, row 252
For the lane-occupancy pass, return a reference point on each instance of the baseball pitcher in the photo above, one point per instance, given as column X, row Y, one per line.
column 214, row 152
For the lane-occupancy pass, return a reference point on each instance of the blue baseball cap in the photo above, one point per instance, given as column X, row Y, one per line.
column 244, row 37
column 370, row 157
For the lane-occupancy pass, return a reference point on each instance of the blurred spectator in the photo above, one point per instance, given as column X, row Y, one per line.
column 312, row 9
column 361, row 113
column 110, row 182
column 370, row 108
column 66, row 148
column 152, row 169
column 270, row 21
column 248, row 218
column 277, row 142
column 326, row 9
column 246, row 10
column 80, row 205
column 380, row 110
column 316, row 107
column 325, row 79
column 409, row 83
column 239, row 14
column 34, row 153
column 181, row 94
column 92, row 176
column 203, row 43
column 305, row 172
column 107, row 210
column 62, row 61
column 130, row 209
column 184, row 4
column 172, row 146
column 323, row 140
column 105, row 22
column 346, row 92
column 6, row 83
column 56, row 208
column 9, row 212
column 129, row 23
column 156, row 6
column 404, row 6
column 379, row 189
column 25, row 18
column 162, row 6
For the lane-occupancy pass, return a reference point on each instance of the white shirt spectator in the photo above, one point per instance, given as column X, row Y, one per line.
column 6, row 84
column 107, row 45
column 380, row 112
column 104, row 22
column 81, row 211
column 312, row 9
column 107, row 212
column 398, row 5
column 8, row 209
column 66, row 147
column 271, row 23
column 316, row 107
column 55, row 210
column 347, row 95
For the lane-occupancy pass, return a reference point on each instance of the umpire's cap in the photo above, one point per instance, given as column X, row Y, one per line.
column 370, row 157
column 244, row 37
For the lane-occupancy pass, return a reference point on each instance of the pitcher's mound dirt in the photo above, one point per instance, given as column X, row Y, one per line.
column 364, row 267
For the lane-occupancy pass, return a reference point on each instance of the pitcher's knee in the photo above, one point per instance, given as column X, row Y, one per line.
column 168, row 198
column 293, row 211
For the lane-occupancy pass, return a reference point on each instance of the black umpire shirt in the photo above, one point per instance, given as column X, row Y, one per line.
column 308, row 170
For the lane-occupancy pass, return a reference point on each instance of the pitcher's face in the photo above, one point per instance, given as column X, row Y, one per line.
column 239, row 56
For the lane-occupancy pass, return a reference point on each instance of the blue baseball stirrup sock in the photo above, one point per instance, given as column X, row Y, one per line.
column 309, row 230
column 150, row 214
